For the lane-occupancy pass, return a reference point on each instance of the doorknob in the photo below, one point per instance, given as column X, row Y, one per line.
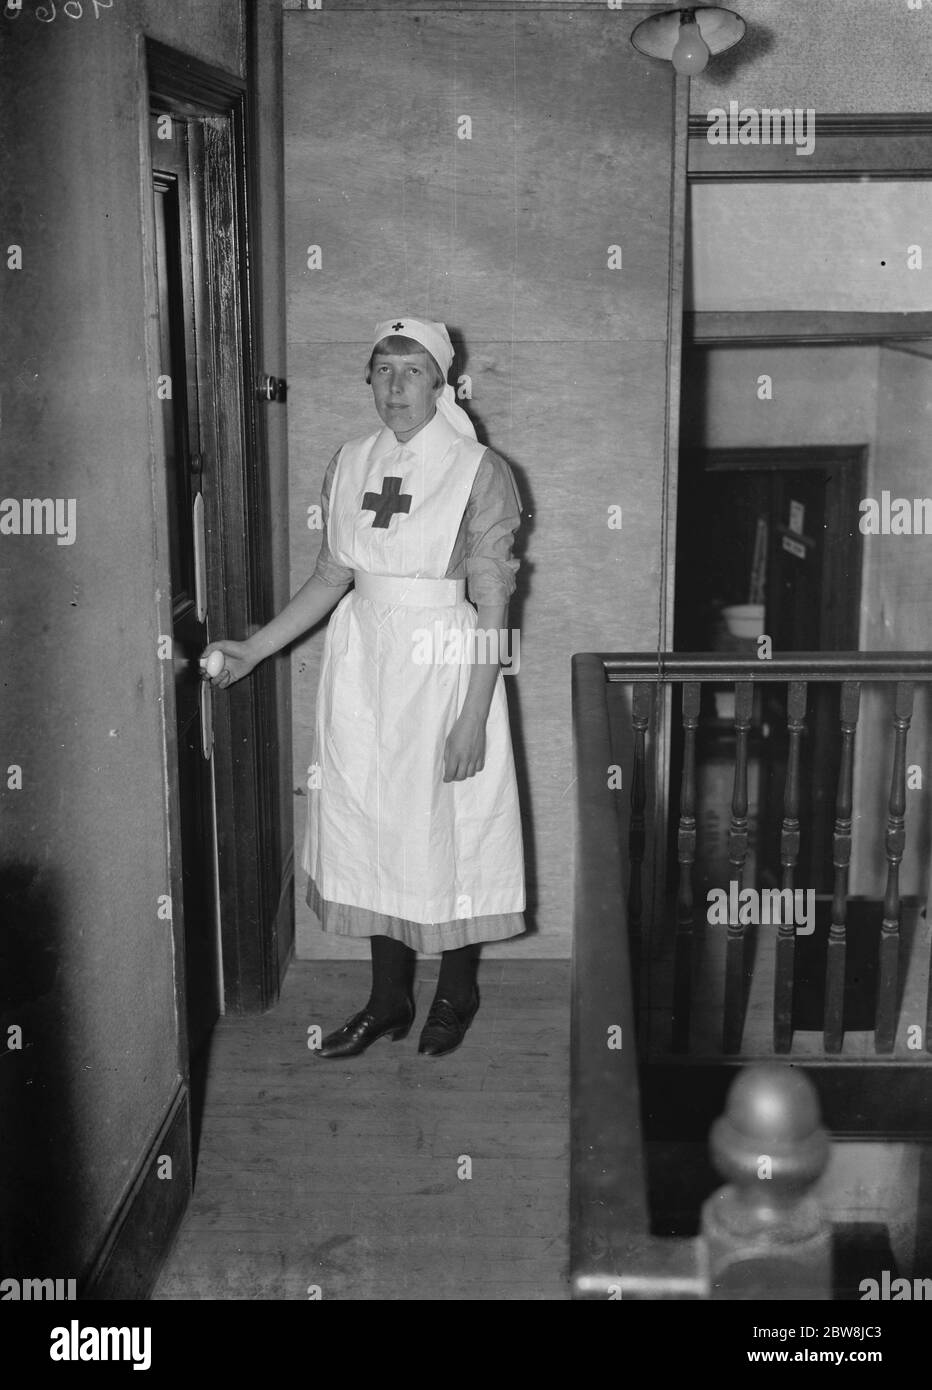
column 271, row 388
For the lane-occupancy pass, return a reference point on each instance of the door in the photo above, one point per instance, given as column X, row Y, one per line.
column 178, row 200
column 805, row 613
column 205, row 281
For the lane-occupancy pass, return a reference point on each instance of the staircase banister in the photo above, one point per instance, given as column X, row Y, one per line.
column 762, row 1234
column 725, row 666
column 612, row 1253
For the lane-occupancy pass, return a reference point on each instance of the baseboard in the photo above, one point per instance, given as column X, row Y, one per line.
column 141, row 1234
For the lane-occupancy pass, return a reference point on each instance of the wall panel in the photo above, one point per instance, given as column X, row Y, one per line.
column 86, row 966
column 505, row 237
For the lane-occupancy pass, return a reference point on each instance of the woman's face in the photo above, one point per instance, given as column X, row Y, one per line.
column 404, row 394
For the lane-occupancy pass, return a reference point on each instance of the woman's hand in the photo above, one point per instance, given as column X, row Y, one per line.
column 464, row 750
column 238, row 660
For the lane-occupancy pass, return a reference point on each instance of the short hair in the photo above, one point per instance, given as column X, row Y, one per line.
column 398, row 343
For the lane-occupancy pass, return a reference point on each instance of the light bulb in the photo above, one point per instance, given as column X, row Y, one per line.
column 691, row 53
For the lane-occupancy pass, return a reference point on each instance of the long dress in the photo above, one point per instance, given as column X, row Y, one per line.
column 390, row 848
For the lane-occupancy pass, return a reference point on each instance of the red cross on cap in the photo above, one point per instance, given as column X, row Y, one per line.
column 396, row 327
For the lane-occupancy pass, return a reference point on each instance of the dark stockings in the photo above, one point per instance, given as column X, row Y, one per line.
column 392, row 976
column 457, row 978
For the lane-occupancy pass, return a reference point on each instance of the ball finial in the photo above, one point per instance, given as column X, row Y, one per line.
column 773, row 1101
column 772, row 1109
column 763, row 1233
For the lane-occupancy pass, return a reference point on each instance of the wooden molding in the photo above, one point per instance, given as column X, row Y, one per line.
column 835, row 125
column 284, row 917
column 140, row 1235
column 187, row 85
column 793, row 457
column 895, row 146
column 785, row 327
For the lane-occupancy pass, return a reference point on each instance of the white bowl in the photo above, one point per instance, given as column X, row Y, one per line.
column 744, row 619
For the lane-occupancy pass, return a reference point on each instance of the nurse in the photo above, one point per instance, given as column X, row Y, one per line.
column 413, row 836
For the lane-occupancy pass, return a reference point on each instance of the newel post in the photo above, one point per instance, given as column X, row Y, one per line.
column 762, row 1235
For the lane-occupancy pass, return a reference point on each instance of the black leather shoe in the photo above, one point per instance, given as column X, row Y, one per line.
column 362, row 1030
column 446, row 1027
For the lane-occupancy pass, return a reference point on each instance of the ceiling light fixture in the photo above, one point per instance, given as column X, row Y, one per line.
column 688, row 37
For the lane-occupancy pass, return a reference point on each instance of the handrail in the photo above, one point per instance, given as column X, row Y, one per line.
column 610, row 1229
column 812, row 666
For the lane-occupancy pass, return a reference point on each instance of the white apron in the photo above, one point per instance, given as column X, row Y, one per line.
column 385, row 832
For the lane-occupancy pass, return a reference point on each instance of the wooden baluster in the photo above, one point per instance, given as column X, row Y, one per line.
column 789, row 857
column 834, row 1023
column 737, row 857
column 885, row 1027
column 642, row 702
column 686, row 856
column 763, row 1235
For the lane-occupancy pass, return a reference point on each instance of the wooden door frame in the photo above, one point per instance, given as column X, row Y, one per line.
column 849, row 459
column 240, row 577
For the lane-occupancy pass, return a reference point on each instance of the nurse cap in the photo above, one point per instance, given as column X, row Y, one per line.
column 435, row 338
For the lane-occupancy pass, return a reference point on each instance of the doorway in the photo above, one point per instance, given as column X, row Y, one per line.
column 773, row 532
column 188, row 434
column 785, row 359
column 227, row 866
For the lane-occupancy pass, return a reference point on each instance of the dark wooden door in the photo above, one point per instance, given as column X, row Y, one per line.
column 796, row 561
column 183, row 306
column 800, row 619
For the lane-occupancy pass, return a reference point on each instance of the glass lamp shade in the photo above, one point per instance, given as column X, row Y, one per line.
column 667, row 35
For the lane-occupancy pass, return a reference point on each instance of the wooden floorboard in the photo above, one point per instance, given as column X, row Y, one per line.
column 345, row 1176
